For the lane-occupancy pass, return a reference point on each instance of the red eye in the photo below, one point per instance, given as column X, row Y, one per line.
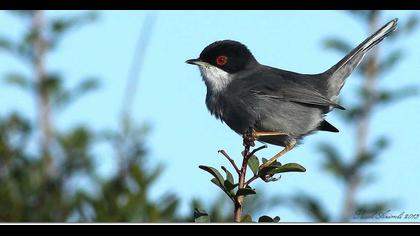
column 221, row 60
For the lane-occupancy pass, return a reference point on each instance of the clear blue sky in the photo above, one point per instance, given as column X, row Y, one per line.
column 170, row 97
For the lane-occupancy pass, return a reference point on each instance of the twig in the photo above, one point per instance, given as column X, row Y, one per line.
column 251, row 179
column 230, row 160
column 239, row 200
column 257, row 149
column 43, row 96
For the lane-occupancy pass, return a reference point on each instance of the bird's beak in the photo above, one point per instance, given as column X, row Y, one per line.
column 194, row 61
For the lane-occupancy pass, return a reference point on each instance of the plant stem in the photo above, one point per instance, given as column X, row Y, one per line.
column 251, row 179
column 239, row 200
column 223, row 152
column 42, row 93
column 246, row 154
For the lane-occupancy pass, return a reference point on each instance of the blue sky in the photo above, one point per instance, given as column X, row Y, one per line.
column 170, row 97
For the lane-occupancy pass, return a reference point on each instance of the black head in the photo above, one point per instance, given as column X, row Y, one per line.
column 228, row 55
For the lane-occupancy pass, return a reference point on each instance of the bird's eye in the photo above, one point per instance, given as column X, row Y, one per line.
column 221, row 60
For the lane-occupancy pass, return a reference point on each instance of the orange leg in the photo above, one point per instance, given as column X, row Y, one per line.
column 257, row 134
column 251, row 135
column 289, row 147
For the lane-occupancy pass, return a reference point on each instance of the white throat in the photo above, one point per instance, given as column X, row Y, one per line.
column 215, row 78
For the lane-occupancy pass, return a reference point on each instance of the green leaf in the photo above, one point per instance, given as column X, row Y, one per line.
column 201, row 216
column 366, row 15
column 6, row 44
column 213, row 172
column 86, row 86
column 18, row 80
column 362, row 160
column 411, row 24
column 381, row 142
column 245, row 191
column 333, row 161
column 289, row 167
column 229, row 176
column 229, row 187
column 51, row 83
column 338, row 45
column 385, row 97
column 246, row 219
column 265, row 219
column 390, row 61
column 253, row 164
column 57, row 28
column 60, row 25
column 312, row 207
column 229, row 183
column 216, row 182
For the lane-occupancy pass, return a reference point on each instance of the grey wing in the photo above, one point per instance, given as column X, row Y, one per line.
column 290, row 90
column 289, row 104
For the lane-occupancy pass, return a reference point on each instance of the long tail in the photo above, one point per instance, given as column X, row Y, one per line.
column 337, row 74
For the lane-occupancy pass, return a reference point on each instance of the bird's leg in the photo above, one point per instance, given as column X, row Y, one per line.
column 258, row 134
column 288, row 147
column 251, row 135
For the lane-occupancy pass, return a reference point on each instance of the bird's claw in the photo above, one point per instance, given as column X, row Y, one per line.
column 249, row 137
column 269, row 178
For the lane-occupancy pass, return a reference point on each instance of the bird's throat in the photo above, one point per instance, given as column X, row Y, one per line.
column 216, row 79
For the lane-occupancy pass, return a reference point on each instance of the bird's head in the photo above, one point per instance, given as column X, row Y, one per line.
column 221, row 60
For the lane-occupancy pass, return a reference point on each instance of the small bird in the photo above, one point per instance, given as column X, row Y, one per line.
column 272, row 105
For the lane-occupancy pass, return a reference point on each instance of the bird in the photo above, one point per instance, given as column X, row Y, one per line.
column 273, row 105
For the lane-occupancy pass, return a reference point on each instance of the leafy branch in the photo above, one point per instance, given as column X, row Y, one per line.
column 237, row 191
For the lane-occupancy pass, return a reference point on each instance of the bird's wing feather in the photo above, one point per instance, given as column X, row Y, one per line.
column 291, row 90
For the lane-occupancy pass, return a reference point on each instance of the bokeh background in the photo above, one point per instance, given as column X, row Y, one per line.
column 102, row 121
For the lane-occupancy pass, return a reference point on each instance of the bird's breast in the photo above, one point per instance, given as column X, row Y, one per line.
column 232, row 110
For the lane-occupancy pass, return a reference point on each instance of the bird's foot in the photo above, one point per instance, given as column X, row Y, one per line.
column 269, row 178
column 249, row 138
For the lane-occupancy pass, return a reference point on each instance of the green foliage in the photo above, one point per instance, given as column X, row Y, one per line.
column 65, row 186
column 253, row 164
column 58, row 28
column 338, row 45
column 246, row 219
column 390, row 61
column 289, row 167
column 245, row 191
column 221, row 208
column 228, row 185
column 367, row 98
column 20, row 81
column 411, row 24
column 267, row 219
column 5, row 44
column 218, row 177
column 365, row 15
column 333, row 162
column 312, row 207
column 63, row 97
column 201, row 216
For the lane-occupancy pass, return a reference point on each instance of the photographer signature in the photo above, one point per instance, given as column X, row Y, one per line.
column 385, row 215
